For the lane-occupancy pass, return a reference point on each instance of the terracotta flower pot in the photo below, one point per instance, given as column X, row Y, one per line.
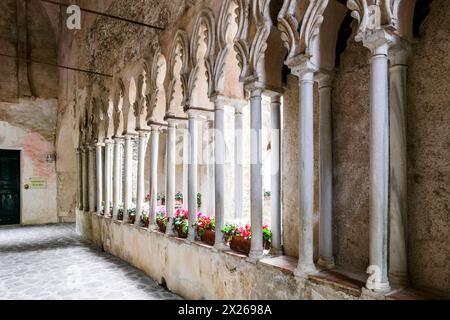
column 180, row 232
column 161, row 226
column 209, row 237
column 240, row 244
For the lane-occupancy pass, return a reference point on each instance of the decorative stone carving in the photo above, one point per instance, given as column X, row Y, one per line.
column 240, row 44
column 374, row 14
column 180, row 47
column 300, row 40
column 206, row 18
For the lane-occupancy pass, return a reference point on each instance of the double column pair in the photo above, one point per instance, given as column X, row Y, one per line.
column 256, row 183
column 86, row 182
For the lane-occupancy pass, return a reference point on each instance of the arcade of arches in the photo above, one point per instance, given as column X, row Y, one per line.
column 325, row 120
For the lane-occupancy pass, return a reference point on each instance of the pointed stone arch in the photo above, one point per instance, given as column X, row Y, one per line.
column 238, row 46
column 180, row 49
column 205, row 22
column 156, row 98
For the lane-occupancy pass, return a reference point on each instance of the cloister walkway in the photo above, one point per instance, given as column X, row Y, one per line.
column 53, row 262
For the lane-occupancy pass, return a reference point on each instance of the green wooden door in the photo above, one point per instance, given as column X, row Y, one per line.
column 9, row 187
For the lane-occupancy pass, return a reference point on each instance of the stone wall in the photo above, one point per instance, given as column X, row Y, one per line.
column 351, row 125
column 429, row 152
column 196, row 271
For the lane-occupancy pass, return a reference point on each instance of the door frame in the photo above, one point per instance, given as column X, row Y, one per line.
column 20, row 150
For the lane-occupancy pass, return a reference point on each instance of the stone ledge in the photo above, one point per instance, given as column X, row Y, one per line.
column 212, row 274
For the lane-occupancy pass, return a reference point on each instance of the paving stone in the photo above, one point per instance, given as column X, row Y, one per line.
column 52, row 262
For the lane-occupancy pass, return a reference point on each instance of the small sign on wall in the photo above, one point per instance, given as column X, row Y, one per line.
column 38, row 183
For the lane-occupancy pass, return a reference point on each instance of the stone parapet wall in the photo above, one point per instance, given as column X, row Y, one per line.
column 196, row 271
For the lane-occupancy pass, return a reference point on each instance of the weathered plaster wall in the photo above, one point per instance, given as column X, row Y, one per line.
column 37, row 205
column 351, row 125
column 429, row 152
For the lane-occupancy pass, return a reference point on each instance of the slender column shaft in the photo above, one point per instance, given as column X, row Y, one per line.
column 79, row 179
column 256, row 186
column 275, row 199
column 326, row 258
column 170, row 176
column 219, row 157
column 185, row 168
column 398, row 268
column 379, row 170
column 108, row 184
column 192, row 173
column 99, row 167
column 238, row 163
column 140, row 177
column 306, row 173
column 85, row 182
column 154, row 173
column 210, row 201
column 92, row 186
column 128, row 178
column 117, row 179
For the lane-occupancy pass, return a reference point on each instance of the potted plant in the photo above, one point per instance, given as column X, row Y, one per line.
column 120, row 212
column 267, row 236
column 180, row 222
column 161, row 199
column 199, row 200
column 145, row 219
column 205, row 226
column 161, row 221
column 131, row 215
column 267, row 194
column 239, row 238
column 178, row 198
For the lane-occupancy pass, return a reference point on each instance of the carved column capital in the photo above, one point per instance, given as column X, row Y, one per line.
column 324, row 78
column 301, row 65
column 399, row 52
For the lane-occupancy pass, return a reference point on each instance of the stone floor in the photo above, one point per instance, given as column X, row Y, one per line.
column 53, row 262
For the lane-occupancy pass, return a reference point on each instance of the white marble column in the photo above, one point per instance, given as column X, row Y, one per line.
column 256, row 181
column 192, row 172
column 219, row 173
column 305, row 72
column 154, row 150
column 107, row 178
column 379, row 162
column 117, row 176
column 170, row 175
column 210, row 194
column 91, row 179
column 79, row 179
column 238, row 163
column 85, row 177
column 140, row 176
column 184, row 190
column 99, row 169
column 326, row 258
column 128, row 176
column 398, row 268
column 275, row 185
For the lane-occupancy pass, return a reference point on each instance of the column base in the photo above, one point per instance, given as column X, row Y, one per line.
column 255, row 255
column 302, row 270
column 153, row 227
column 169, row 229
column 399, row 279
column 327, row 263
column 379, row 287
